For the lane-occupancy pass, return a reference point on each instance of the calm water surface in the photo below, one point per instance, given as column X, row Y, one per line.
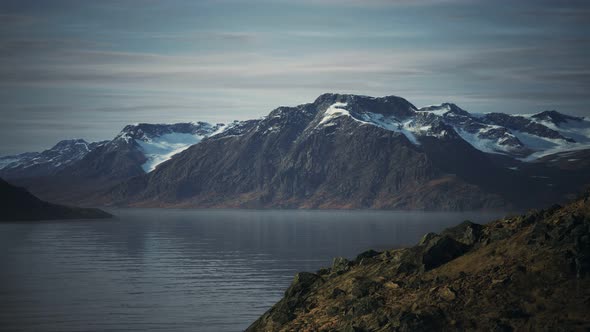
column 181, row 270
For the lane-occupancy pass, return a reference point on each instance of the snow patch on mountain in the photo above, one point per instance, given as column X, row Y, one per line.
column 11, row 161
column 390, row 123
column 492, row 139
column 524, row 136
column 223, row 127
column 334, row 111
column 439, row 110
column 483, row 144
column 159, row 142
column 159, row 149
column 545, row 146
column 575, row 128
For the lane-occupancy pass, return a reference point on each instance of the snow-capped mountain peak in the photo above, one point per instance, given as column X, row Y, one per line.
column 443, row 109
column 523, row 136
column 335, row 110
column 555, row 117
column 526, row 137
column 62, row 154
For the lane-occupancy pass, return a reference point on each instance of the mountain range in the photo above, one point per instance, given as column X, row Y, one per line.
column 340, row 151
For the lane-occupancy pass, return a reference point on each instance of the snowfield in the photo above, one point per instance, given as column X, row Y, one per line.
column 159, row 149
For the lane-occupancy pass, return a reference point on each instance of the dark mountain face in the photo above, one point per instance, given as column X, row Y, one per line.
column 17, row 204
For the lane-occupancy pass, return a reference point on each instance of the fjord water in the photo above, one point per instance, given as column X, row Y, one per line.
column 182, row 270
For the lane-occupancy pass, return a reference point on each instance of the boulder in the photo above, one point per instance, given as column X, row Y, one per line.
column 367, row 254
column 336, row 293
column 466, row 232
column 440, row 250
column 366, row 305
column 363, row 287
column 340, row 265
column 421, row 320
column 447, row 293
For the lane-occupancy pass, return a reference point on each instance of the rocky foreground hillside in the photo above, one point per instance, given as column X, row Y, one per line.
column 529, row 272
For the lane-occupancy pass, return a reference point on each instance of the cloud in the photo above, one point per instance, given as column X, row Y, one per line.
column 103, row 64
column 383, row 3
column 343, row 69
column 17, row 20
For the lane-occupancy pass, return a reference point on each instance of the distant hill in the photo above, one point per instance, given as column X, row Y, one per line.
column 17, row 204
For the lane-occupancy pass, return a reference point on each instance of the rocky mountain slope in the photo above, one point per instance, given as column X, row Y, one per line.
column 348, row 151
column 530, row 272
column 17, row 204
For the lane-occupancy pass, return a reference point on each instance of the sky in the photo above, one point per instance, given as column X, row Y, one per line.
column 85, row 69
